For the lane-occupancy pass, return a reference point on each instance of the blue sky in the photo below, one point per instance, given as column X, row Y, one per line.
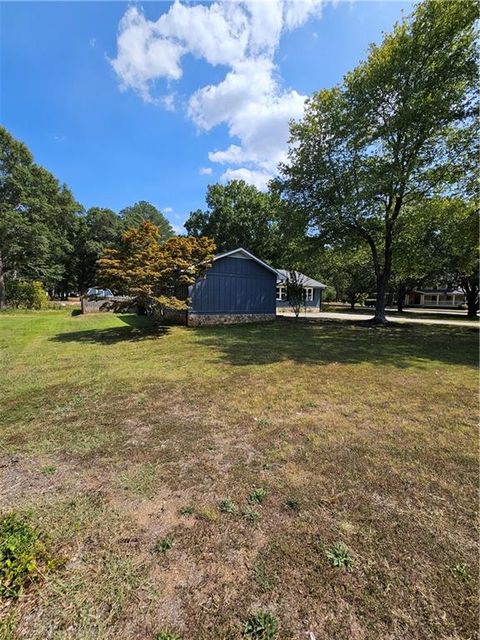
column 127, row 102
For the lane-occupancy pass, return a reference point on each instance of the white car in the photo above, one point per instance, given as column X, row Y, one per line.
column 95, row 292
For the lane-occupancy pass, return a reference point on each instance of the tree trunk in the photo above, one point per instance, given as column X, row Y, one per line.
column 401, row 298
column 383, row 276
column 380, row 317
column 3, row 300
column 472, row 304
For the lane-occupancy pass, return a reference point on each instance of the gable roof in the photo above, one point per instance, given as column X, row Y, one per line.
column 244, row 254
column 305, row 280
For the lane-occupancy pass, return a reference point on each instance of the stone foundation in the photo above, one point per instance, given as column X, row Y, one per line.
column 202, row 319
column 170, row 316
column 96, row 305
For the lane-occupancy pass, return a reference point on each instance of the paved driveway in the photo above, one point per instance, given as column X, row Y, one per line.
column 332, row 315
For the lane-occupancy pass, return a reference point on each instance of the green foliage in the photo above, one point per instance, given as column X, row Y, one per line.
column 261, row 626
column 167, row 635
column 143, row 211
column 460, row 571
column 98, row 230
column 156, row 276
column 258, row 495
column 251, row 514
column 262, row 576
column 24, row 556
column 398, row 128
column 339, row 556
column 26, row 295
column 186, row 511
column 207, row 513
column 48, row 470
column 349, row 268
column 163, row 545
column 228, row 506
column 238, row 215
column 38, row 220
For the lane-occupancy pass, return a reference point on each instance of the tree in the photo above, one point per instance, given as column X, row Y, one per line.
column 140, row 212
column 295, row 291
column 238, row 215
column 98, row 230
column 417, row 253
column 354, row 264
column 155, row 275
column 399, row 129
column 37, row 219
column 457, row 232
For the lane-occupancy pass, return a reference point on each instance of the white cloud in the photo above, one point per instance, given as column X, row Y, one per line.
column 169, row 102
column 93, row 42
column 205, row 171
column 167, row 210
column 258, row 178
column 250, row 100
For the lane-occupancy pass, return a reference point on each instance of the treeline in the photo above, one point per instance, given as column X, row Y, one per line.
column 46, row 236
column 379, row 194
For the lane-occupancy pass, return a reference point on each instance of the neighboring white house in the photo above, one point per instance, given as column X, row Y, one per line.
column 435, row 298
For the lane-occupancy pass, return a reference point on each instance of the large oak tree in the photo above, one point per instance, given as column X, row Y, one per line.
column 398, row 130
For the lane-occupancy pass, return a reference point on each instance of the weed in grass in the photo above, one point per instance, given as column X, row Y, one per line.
column 48, row 470
column 262, row 422
column 207, row 513
column 24, row 556
column 460, row 571
column 228, row 506
column 167, row 635
column 250, row 514
column 339, row 556
column 187, row 510
column 261, row 626
column 258, row 495
column 262, row 576
column 164, row 545
column 292, row 504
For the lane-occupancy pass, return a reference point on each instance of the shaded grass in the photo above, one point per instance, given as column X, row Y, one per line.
column 362, row 437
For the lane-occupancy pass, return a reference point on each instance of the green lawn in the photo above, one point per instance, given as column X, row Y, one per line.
column 120, row 442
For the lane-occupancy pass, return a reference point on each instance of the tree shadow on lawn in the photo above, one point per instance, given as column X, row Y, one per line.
column 324, row 342
column 136, row 328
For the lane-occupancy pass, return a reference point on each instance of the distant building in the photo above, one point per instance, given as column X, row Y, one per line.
column 312, row 290
column 447, row 298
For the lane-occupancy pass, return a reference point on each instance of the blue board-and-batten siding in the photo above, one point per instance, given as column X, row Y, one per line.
column 234, row 286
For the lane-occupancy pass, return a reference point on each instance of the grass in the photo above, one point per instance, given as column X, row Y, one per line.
column 112, row 434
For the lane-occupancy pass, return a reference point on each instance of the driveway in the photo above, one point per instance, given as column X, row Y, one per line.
column 332, row 315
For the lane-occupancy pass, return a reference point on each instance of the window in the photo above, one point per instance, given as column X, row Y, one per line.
column 281, row 292
column 308, row 292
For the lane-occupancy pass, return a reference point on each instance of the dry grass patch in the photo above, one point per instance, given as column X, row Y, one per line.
column 332, row 442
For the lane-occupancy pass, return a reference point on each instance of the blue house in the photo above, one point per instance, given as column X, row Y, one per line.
column 312, row 291
column 238, row 287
